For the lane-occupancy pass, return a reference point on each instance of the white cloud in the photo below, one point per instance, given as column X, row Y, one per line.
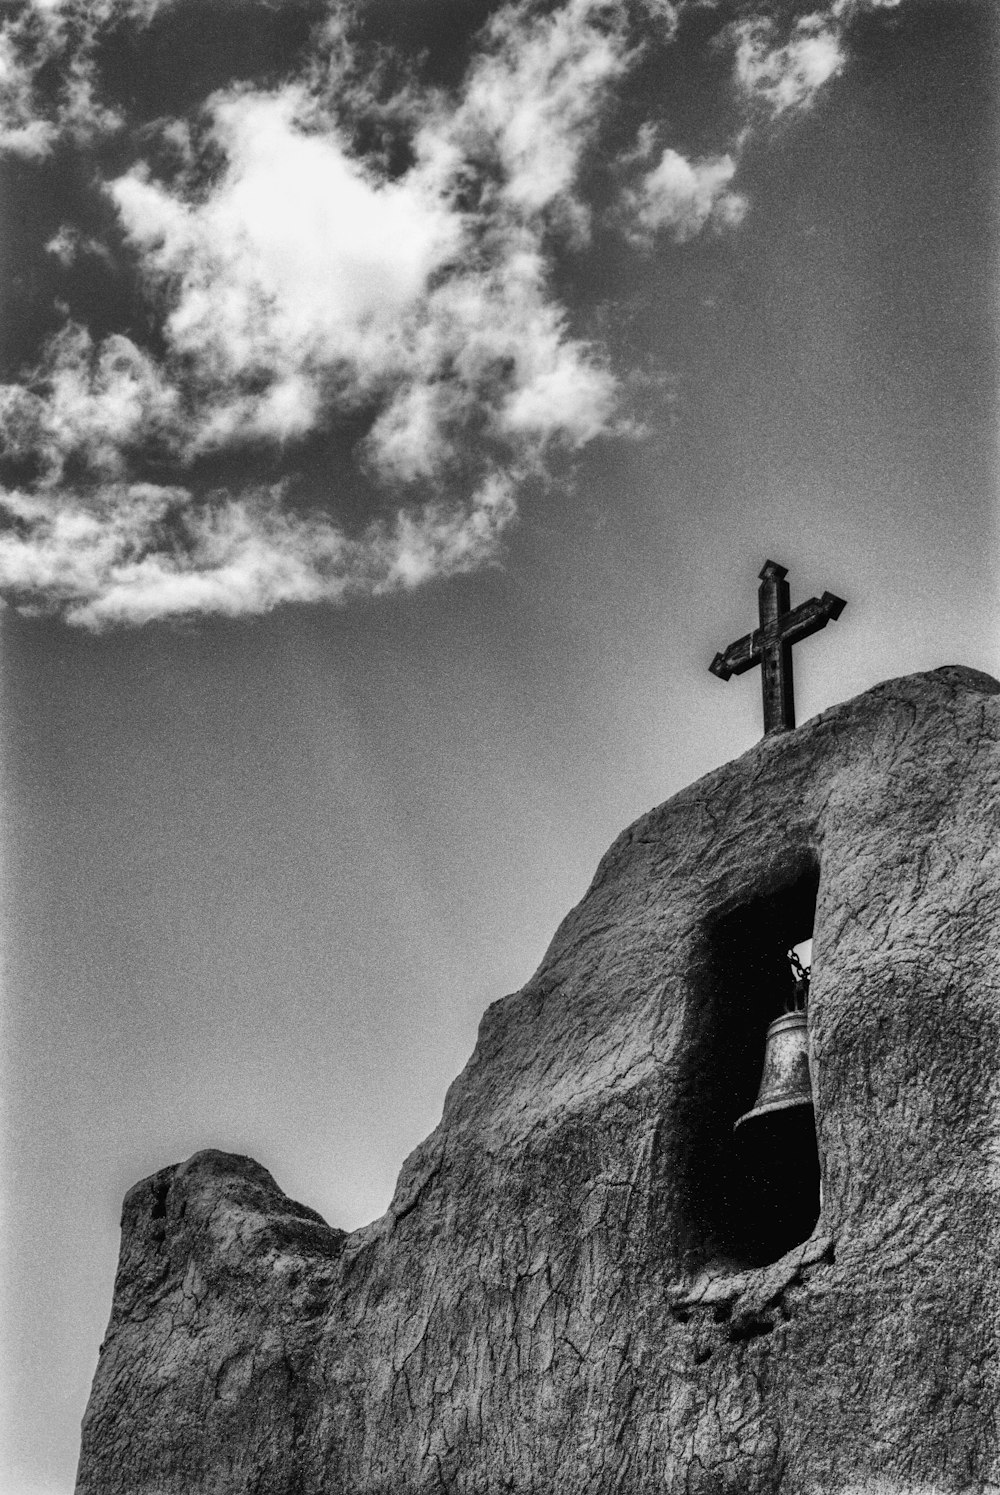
column 57, row 36
column 535, row 98
column 682, row 197
column 68, row 244
column 295, row 270
column 92, row 403
column 137, row 552
column 789, row 76
column 23, row 132
column 845, row 9
column 298, row 279
column 489, row 351
column 305, row 280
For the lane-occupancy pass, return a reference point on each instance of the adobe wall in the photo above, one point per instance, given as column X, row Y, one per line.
column 570, row 1292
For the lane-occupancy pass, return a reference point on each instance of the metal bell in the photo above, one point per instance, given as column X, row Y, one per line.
column 785, row 1080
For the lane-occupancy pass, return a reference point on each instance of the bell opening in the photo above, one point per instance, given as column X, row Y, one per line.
column 750, row 1150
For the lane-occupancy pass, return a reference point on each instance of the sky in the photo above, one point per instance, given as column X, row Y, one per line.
column 397, row 404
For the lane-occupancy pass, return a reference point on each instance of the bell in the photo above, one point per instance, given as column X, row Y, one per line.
column 785, row 1080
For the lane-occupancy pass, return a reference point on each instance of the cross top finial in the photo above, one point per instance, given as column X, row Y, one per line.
column 770, row 645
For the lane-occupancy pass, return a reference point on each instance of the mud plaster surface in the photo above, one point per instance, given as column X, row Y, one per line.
column 561, row 1297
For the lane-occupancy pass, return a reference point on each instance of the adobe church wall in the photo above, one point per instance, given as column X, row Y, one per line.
column 568, row 1292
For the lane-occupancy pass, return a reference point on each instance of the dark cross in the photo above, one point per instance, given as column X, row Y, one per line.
column 770, row 645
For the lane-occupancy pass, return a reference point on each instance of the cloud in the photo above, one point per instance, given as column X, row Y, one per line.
column 23, row 131
column 306, row 281
column 328, row 248
column 289, row 280
column 138, row 552
column 68, row 245
column 90, row 403
column 788, row 77
column 534, row 100
column 682, row 197
column 302, row 283
column 40, row 39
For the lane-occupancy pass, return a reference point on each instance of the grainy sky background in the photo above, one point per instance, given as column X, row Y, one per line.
column 400, row 402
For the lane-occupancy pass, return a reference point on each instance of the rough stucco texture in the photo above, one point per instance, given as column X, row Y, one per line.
column 571, row 1291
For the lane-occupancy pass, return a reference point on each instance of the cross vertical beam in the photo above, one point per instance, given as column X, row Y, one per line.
column 774, row 603
column 770, row 645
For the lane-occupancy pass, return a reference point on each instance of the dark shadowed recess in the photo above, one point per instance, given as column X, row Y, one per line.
column 746, row 1197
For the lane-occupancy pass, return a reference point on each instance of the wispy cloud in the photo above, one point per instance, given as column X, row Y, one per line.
column 69, row 245
column 40, row 39
column 300, row 277
column 681, row 197
column 304, row 282
column 130, row 553
column 92, row 404
column 788, row 76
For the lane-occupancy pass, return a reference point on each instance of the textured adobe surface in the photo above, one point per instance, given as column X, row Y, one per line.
column 571, row 1291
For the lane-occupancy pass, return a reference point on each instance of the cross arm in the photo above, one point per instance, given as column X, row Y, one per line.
column 809, row 617
column 741, row 656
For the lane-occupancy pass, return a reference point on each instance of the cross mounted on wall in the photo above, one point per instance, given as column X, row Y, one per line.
column 770, row 645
